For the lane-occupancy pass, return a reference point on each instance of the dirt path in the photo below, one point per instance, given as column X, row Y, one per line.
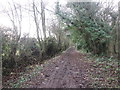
column 68, row 71
column 71, row 69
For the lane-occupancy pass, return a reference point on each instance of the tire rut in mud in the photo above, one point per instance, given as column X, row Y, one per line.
column 68, row 71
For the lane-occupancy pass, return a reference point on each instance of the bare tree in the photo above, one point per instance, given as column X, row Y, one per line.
column 0, row 59
column 39, row 19
column 119, row 32
column 14, row 13
column 37, row 23
column 43, row 18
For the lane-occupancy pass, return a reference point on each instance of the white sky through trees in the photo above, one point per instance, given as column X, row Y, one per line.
column 27, row 22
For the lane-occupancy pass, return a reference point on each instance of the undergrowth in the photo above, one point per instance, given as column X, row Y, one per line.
column 104, row 72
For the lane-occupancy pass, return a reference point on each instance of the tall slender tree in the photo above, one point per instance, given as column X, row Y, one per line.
column 37, row 24
column 43, row 18
column 119, row 32
column 0, row 59
column 15, row 15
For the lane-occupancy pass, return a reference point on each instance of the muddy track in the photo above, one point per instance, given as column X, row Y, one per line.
column 68, row 71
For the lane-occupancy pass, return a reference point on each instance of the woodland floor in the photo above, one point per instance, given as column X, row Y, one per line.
column 69, row 70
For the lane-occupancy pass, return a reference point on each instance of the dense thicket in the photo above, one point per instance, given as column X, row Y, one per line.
column 19, row 52
column 27, row 51
column 92, row 26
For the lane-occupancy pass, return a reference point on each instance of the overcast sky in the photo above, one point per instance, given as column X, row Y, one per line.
column 27, row 23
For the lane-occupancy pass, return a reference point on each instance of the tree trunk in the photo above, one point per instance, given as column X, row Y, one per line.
column 0, row 59
column 37, row 28
column 43, row 18
column 119, row 32
column 118, row 39
column 43, row 26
